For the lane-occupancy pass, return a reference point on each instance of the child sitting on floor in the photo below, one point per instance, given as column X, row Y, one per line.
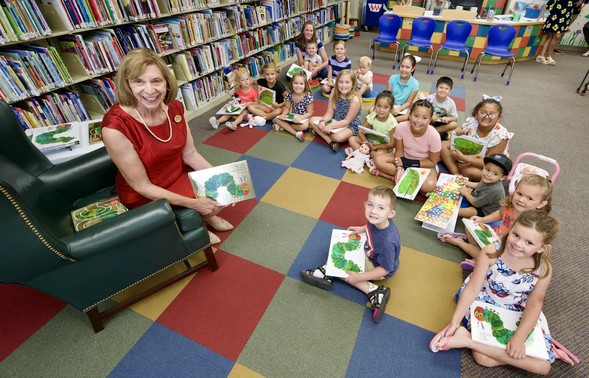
column 487, row 194
column 245, row 94
column 312, row 58
column 382, row 252
column 337, row 63
column 270, row 81
column 364, row 75
column 445, row 113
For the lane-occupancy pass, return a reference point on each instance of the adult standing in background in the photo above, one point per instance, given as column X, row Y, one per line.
column 148, row 139
column 556, row 24
column 309, row 34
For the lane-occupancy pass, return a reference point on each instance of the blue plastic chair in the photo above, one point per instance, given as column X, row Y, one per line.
column 421, row 35
column 389, row 25
column 457, row 33
column 498, row 41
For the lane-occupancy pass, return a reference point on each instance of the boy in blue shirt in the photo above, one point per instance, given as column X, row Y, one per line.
column 382, row 248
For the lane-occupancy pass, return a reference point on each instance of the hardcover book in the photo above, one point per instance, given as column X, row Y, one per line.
column 410, row 183
column 97, row 212
column 290, row 117
column 469, row 146
column 442, row 202
column 51, row 137
column 267, row 96
column 295, row 68
column 375, row 136
column 225, row 184
column 483, row 233
column 346, row 253
column 231, row 109
column 494, row 326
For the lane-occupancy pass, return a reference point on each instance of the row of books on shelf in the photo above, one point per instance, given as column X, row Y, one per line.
column 21, row 20
column 50, row 109
column 202, row 90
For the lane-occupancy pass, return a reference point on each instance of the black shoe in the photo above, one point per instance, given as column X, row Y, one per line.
column 322, row 283
column 334, row 146
column 379, row 298
column 444, row 136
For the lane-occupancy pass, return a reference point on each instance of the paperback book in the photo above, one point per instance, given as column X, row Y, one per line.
column 442, row 202
column 295, row 68
column 494, row 326
column 97, row 212
column 58, row 136
column 231, row 109
column 483, row 233
column 375, row 136
column 410, row 183
column 267, row 96
column 290, row 117
column 346, row 253
column 226, row 184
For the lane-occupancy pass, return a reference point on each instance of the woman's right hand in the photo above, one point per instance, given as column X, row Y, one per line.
column 206, row 206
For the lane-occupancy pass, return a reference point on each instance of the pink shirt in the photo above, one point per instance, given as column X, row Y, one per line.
column 250, row 96
column 418, row 148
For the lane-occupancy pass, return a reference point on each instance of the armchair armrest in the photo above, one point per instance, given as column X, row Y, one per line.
column 129, row 226
column 82, row 176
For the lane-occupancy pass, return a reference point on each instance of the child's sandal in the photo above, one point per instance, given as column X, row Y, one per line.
column 375, row 172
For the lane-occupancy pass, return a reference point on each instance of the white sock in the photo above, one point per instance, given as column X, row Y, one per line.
column 317, row 273
column 372, row 287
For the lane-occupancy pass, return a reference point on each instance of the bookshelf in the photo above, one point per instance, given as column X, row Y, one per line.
column 58, row 57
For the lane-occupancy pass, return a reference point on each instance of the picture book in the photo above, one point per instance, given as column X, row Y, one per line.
column 290, row 117
column 58, row 136
column 231, row 109
column 295, row 68
column 494, row 326
column 225, row 184
column 375, row 136
column 346, row 253
column 483, row 233
column 94, row 131
column 267, row 96
column 410, row 183
column 469, row 146
column 442, row 201
column 97, row 212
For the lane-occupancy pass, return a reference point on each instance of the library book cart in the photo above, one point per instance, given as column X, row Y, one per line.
column 58, row 57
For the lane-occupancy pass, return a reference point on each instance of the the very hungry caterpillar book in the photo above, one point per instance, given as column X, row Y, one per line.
column 225, row 184
column 346, row 253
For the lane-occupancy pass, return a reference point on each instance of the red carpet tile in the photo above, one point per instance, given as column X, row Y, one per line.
column 218, row 309
column 319, row 107
column 341, row 211
column 24, row 312
column 460, row 104
column 234, row 215
column 380, row 78
column 238, row 141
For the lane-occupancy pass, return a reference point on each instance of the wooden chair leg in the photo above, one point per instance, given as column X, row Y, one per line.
column 95, row 319
column 210, row 256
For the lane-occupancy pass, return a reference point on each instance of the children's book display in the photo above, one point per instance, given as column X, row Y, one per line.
column 295, row 69
column 410, row 183
column 58, row 136
column 267, row 96
column 483, row 233
column 443, row 203
column 97, row 212
column 469, row 146
column 94, row 132
column 375, row 136
column 494, row 326
column 346, row 253
column 290, row 117
column 231, row 108
column 225, row 184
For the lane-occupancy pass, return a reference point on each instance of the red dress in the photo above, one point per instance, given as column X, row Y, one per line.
column 162, row 161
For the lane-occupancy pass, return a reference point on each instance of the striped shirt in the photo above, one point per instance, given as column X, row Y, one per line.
column 337, row 67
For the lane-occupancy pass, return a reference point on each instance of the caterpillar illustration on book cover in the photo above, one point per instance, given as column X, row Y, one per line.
column 225, row 184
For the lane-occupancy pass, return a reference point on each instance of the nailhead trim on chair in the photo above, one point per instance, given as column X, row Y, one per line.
column 33, row 228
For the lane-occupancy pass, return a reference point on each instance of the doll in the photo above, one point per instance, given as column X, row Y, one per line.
column 356, row 160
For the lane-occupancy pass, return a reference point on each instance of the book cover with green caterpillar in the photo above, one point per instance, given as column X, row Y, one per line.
column 267, row 96
column 346, row 253
column 483, row 233
column 468, row 145
column 226, row 184
column 494, row 326
column 410, row 183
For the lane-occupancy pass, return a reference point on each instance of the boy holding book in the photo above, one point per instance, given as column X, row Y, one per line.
column 382, row 248
column 487, row 194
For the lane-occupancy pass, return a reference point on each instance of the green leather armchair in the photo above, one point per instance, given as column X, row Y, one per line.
column 41, row 250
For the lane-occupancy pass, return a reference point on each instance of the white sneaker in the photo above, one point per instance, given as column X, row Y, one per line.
column 549, row 61
column 231, row 125
column 586, row 54
column 541, row 59
column 214, row 123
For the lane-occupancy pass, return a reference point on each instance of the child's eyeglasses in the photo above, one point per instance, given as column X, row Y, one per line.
column 490, row 115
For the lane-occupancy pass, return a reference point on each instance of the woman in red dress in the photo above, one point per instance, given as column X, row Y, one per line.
column 148, row 139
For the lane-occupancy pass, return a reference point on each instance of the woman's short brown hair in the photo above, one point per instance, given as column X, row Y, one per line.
column 132, row 66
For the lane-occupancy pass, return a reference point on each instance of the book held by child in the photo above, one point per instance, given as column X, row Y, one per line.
column 410, row 183
column 469, row 146
column 483, row 233
column 226, row 184
column 346, row 253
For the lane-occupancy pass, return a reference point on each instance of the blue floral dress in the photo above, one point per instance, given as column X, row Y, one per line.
column 341, row 110
column 508, row 289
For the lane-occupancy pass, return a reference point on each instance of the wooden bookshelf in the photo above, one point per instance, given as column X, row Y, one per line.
column 78, row 45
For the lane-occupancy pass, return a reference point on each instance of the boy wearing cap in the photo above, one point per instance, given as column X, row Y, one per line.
column 484, row 198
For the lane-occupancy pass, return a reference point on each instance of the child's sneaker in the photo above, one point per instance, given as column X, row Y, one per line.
column 379, row 298
column 230, row 125
column 540, row 59
column 214, row 123
column 316, row 277
column 300, row 136
column 549, row 61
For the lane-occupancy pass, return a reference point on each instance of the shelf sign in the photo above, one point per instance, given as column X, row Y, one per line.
column 375, row 7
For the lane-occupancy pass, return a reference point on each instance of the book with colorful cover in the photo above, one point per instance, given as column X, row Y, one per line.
column 58, row 136
column 483, row 233
column 94, row 131
column 411, row 181
column 494, row 326
column 267, row 96
column 346, row 253
column 443, row 201
column 97, row 212
column 226, row 184
column 295, row 68
column 469, row 146
column 231, row 109
column 375, row 136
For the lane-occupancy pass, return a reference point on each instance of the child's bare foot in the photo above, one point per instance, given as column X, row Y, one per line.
column 459, row 339
column 453, row 238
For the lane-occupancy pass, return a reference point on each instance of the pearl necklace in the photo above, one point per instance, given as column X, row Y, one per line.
column 151, row 132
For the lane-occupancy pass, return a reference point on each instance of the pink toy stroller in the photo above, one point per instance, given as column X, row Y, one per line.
column 519, row 169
